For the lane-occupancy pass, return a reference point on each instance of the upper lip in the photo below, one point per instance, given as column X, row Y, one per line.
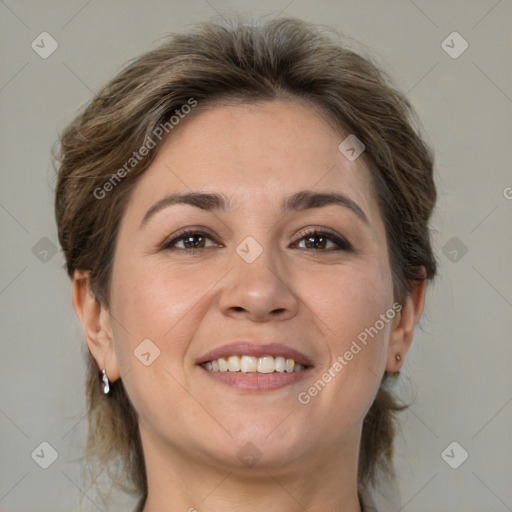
column 256, row 349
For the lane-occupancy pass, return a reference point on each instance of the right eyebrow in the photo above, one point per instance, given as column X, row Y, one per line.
column 205, row 201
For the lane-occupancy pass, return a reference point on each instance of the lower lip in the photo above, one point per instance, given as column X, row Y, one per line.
column 257, row 382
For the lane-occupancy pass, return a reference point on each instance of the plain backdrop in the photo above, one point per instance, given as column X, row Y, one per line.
column 457, row 374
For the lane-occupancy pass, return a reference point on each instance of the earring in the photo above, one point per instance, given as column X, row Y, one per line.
column 105, row 382
column 398, row 358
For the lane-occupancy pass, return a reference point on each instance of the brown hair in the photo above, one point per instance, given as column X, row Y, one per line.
column 246, row 62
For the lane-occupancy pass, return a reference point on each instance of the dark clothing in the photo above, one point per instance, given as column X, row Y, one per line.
column 365, row 498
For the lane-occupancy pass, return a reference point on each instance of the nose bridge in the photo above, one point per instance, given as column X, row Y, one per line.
column 257, row 265
column 258, row 283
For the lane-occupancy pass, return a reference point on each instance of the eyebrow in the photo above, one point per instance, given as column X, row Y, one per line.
column 303, row 200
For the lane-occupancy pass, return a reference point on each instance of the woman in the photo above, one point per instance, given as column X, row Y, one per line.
column 244, row 214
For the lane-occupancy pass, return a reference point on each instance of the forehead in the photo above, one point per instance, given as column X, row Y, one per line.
column 254, row 153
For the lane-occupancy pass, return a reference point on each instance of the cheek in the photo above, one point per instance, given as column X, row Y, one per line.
column 152, row 298
column 355, row 312
column 152, row 301
column 154, row 312
column 348, row 300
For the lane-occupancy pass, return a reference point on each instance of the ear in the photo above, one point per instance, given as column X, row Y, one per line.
column 96, row 324
column 404, row 326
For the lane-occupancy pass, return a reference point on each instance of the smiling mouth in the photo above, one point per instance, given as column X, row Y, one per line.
column 254, row 365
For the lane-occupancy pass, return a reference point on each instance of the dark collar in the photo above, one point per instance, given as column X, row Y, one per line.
column 365, row 499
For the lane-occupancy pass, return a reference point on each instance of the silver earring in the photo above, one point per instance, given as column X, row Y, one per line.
column 105, row 382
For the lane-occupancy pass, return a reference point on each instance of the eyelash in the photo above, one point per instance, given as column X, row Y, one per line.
column 341, row 242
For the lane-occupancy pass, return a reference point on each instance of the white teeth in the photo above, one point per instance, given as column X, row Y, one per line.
column 280, row 363
column 266, row 364
column 289, row 365
column 234, row 364
column 251, row 364
column 248, row 364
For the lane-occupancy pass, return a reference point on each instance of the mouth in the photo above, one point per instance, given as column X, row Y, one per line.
column 255, row 366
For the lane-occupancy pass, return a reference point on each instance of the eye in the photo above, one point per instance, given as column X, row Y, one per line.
column 191, row 239
column 318, row 239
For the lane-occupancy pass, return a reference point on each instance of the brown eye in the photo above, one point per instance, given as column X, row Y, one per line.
column 191, row 240
column 320, row 240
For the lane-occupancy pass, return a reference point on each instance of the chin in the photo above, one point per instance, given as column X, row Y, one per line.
column 266, row 442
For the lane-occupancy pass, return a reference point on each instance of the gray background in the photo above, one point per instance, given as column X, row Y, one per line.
column 458, row 372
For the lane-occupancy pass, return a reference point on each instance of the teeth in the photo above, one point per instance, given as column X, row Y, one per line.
column 280, row 363
column 266, row 364
column 234, row 364
column 250, row 364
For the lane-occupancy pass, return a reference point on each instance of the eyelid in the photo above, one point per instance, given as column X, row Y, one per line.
column 194, row 230
column 339, row 240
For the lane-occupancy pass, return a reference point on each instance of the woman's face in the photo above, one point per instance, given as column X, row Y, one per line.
column 251, row 273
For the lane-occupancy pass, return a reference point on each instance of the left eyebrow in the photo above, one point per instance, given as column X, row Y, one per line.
column 303, row 200
column 306, row 199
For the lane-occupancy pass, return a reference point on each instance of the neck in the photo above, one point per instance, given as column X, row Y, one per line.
column 177, row 481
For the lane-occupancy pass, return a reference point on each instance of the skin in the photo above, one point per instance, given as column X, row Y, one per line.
column 311, row 297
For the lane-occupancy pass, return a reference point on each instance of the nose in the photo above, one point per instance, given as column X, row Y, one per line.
column 259, row 291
